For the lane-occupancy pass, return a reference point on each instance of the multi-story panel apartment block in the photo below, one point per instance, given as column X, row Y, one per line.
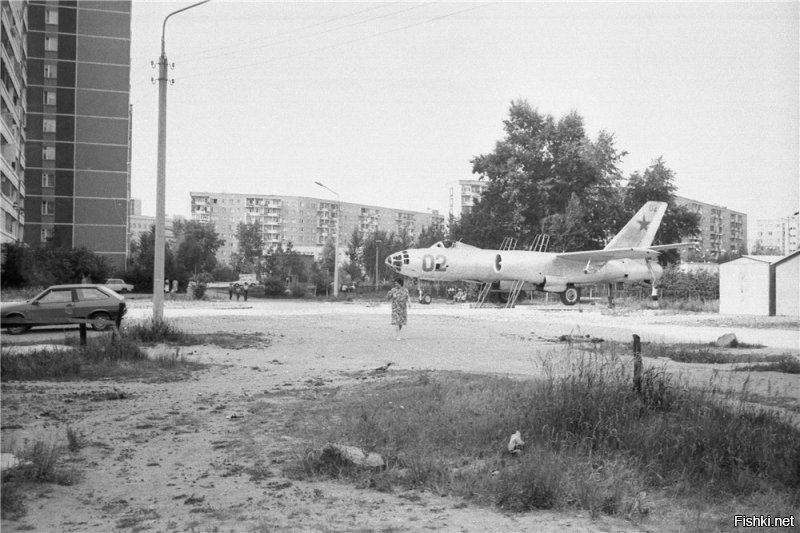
column 305, row 222
column 139, row 223
column 13, row 54
column 77, row 145
column 779, row 234
column 464, row 194
column 723, row 232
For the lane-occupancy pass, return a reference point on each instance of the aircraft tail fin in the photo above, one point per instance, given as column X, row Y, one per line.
column 641, row 229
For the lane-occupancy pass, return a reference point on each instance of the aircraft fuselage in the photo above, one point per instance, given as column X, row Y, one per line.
column 546, row 271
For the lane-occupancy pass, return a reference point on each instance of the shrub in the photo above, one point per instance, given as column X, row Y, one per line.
column 200, row 282
column 153, row 331
column 702, row 285
column 274, row 286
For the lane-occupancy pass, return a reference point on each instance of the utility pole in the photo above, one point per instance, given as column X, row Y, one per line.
column 377, row 242
column 335, row 241
column 158, row 260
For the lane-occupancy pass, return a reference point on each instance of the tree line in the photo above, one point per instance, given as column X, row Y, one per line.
column 546, row 176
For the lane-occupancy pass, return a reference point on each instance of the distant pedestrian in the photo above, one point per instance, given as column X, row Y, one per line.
column 245, row 289
column 230, row 291
column 238, row 290
column 400, row 304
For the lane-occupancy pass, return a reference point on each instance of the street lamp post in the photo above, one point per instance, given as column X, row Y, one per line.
column 377, row 242
column 335, row 242
column 158, row 259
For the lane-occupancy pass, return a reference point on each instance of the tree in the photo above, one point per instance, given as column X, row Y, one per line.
column 284, row 263
column 51, row 264
column 328, row 257
column 657, row 184
column 141, row 260
column 567, row 229
column 429, row 236
column 760, row 249
column 533, row 173
column 251, row 244
column 197, row 248
column 355, row 251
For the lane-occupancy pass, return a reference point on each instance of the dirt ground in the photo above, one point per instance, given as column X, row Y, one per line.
column 168, row 456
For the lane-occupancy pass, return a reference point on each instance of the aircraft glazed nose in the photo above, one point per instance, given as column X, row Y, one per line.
column 396, row 261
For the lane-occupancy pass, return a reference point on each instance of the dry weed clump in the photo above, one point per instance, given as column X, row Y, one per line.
column 39, row 460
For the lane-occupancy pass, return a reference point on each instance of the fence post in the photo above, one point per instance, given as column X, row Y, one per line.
column 118, row 321
column 83, row 333
column 637, row 364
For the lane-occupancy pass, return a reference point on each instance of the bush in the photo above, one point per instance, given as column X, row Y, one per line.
column 200, row 282
column 702, row 285
column 224, row 273
column 50, row 265
column 153, row 331
column 274, row 286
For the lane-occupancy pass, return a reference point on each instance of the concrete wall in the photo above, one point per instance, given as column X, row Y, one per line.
column 744, row 287
column 787, row 287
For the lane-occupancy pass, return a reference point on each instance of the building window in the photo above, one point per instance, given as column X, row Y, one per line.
column 49, row 153
column 48, row 207
column 47, row 234
column 49, row 125
column 51, row 44
column 49, row 98
column 48, row 179
column 51, row 16
column 50, row 71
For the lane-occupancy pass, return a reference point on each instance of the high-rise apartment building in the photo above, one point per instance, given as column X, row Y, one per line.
column 305, row 222
column 779, row 234
column 139, row 224
column 463, row 195
column 77, row 133
column 723, row 232
column 13, row 53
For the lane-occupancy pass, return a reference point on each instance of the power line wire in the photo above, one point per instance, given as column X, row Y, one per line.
column 343, row 43
column 190, row 57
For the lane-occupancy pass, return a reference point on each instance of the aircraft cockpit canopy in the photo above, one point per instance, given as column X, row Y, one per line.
column 452, row 244
column 396, row 261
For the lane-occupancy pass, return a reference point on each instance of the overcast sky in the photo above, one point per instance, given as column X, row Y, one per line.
column 386, row 103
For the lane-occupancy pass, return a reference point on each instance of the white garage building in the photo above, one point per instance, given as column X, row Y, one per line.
column 760, row 285
column 787, row 285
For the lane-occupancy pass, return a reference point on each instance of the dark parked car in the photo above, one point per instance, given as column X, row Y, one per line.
column 58, row 304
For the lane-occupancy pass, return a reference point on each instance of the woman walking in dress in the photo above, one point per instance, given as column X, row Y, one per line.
column 400, row 304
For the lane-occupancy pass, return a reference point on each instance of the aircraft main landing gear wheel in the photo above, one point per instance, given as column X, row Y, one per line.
column 571, row 296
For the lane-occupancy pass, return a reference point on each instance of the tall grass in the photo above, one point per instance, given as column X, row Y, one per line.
column 102, row 356
column 68, row 363
column 154, row 331
column 591, row 441
column 39, row 462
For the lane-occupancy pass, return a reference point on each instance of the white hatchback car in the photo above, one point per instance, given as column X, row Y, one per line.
column 118, row 285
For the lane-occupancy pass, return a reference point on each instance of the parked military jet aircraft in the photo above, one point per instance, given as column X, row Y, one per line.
column 629, row 256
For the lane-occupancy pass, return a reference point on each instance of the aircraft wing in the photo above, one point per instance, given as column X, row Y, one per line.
column 662, row 247
column 609, row 255
column 650, row 252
